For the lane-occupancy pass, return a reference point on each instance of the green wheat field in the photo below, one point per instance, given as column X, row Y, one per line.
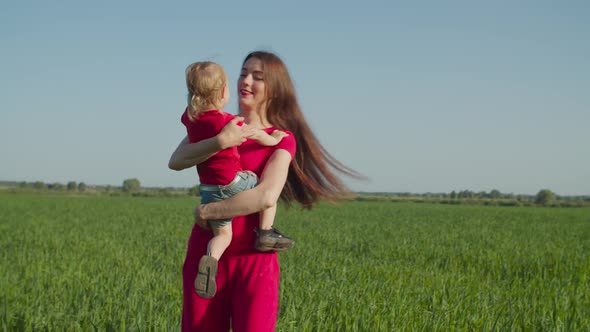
column 87, row 263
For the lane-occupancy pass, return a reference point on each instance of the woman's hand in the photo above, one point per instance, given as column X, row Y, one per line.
column 234, row 134
column 199, row 219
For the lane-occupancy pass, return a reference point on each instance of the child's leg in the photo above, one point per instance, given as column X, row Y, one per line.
column 220, row 241
column 269, row 238
column 267, row 217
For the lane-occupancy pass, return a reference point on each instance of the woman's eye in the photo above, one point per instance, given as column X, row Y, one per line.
column 258, row 78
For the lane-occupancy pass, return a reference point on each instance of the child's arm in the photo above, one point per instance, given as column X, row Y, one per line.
column 265, row 139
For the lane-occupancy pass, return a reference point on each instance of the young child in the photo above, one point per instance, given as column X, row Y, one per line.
column 221, row 176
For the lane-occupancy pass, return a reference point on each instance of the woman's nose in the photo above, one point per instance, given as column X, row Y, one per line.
column 247, row 80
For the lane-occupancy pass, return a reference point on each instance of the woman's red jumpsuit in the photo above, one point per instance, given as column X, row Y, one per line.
column 247, row 295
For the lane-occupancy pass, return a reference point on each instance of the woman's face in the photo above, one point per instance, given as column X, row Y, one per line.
column 251, row 88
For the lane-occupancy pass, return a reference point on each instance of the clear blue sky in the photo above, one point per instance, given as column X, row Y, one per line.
column 420, row 96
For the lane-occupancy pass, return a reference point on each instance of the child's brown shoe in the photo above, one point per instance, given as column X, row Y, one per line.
column 205, row 281
column 272, row 240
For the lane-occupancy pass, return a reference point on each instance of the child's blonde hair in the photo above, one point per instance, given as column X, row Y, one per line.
column 205, row 82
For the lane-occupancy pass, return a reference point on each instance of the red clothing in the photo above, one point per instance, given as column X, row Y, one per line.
column 247, row 280
column 221, row 168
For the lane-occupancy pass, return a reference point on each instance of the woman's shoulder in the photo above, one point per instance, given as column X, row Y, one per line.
column 288, row 143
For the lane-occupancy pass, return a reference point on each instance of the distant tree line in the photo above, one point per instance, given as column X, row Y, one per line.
column 133, row 187
column 57, row 186
column 544, row 197
column 129, row 187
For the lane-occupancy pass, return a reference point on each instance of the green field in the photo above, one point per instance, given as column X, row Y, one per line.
column 114, row 263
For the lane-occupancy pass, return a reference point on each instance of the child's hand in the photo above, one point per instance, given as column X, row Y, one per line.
column 263, row 138
column 279, row 135
column 256, row 134
column 234, row 134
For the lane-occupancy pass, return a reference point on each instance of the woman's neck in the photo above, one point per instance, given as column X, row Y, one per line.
column 255, row 118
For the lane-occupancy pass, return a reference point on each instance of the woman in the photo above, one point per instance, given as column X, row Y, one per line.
column 248, row 280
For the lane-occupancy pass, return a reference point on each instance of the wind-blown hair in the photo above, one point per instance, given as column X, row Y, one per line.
column 311, row 174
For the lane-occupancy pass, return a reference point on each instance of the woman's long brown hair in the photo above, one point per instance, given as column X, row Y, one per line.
column 311, row 174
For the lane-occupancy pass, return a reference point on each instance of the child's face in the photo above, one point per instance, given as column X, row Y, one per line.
column 225, row 97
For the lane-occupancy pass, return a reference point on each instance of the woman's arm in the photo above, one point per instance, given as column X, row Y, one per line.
column 261, row 197
column 190, row 154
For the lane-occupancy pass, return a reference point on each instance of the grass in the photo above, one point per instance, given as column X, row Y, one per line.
column 114, row 263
